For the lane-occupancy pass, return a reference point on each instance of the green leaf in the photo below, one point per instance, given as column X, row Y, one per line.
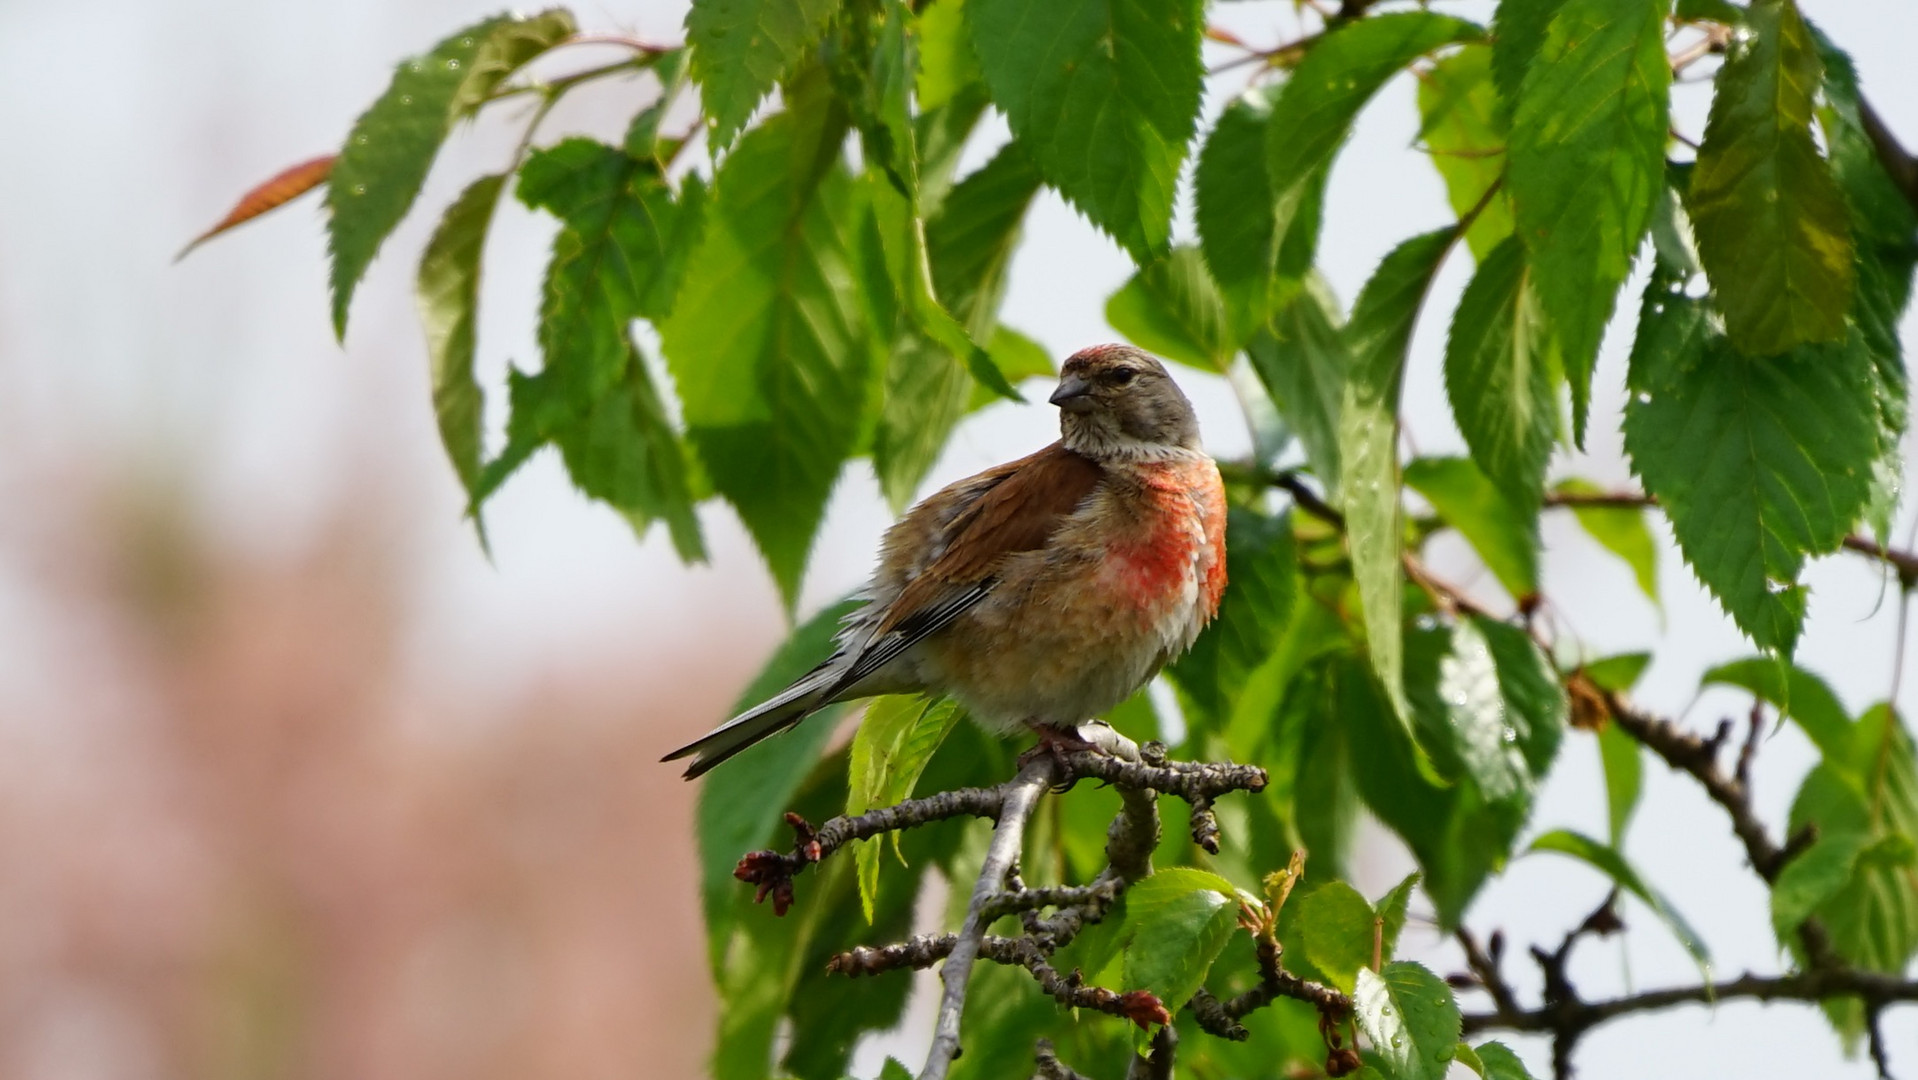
column 971, row 240
column 1302, row 359
column 1798, row 694
column 1882, row 222
column 1410, row 1017
column 1258, row 264
column 1500, row 1062
column 1757, row 464
column 1518, row 32
column 890, row 749
column 1772, row 227
column 1018, row 358
column 1178, row 922
column 947, row 66
column 619, row 256
column 624, row 452
column 1377, row 338
column 1502, row 533
column 926, row 385
column 1392, row 911
column 769, row 341
column 1621, row 530
column 894, row 1070
column 1872, row 919
column 1587, row 160
column 504, row 51
column 740, row 805
column 448, row 296
column 1104, row 93
column 1464, row 131
column 1315, row 110
column 740, row 48
column 1721, row 11
column 1813, row 878
column 1335, row 925
column 1609, row 862
column 1262, row 564
column 1624, row 763
column 1536, row 707
column 1618, row 673
column 390, row 149
column 1502, row 375
column 1457, row 835
column 1170, row 307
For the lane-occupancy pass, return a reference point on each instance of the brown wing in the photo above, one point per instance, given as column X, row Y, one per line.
column 1019, row 513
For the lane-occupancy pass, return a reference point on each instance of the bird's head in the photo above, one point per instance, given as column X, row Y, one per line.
column 1116, row 401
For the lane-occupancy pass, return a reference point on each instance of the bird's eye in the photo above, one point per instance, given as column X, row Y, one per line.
column 1121, row 376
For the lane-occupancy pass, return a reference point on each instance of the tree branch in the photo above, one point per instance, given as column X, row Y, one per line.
column 1015, row 806
column 1809, row 985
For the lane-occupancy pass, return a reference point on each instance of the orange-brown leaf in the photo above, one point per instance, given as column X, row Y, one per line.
column 282, row 188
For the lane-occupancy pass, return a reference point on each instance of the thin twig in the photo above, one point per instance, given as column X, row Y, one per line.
column 1800, row 986
column 1015, row 806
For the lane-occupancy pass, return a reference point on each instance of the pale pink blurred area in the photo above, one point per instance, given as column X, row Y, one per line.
column 297, row 782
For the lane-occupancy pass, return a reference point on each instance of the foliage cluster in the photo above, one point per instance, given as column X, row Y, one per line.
column 828, row 291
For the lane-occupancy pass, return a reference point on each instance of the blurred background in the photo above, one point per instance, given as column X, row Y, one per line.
column 294, row 782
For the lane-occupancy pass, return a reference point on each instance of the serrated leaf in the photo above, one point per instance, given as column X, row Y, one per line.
column 1798, row 695
column 1391, row 910
column 740, row 48
column 1883, row 221
column 623, row 451
column 1502, row 374
column 1502, row 533
column 1410, row 1017
column 1587, row 159
column 1872, row 919
column 1302, row 359
column 1314, row 111
column 1623, row 761
column 740, row 805
column 392, row 145
column 890, row 749
column 1467, row 721
column 1500, row 1062
column 448, row 295
column 1262, row 563
column 1518, row 32
column 1177, row 922
column 1609, row 862
column 1621, row 530
column 618, row 256
column 1377, row 338
column 1335, row 926
column 1772, row 228
column 1458, row 837
column 1813, row 878
column 769, row 341
column 506, row 50
column 1536, row 706
column 1104, row 94
column 1757, row 464
column 1259, row 266
column 970, row 242
column 1464, row 131
column 893, row 1069
column 1170, row 307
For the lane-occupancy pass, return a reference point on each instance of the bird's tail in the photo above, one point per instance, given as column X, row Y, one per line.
column 764, row 720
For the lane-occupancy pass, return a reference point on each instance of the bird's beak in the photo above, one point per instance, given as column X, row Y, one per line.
column 1074, row 394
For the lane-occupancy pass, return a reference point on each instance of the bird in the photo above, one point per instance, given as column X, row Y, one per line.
column 1042, row 592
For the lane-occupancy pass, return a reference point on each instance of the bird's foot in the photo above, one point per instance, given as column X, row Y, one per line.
column 1092, row 737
